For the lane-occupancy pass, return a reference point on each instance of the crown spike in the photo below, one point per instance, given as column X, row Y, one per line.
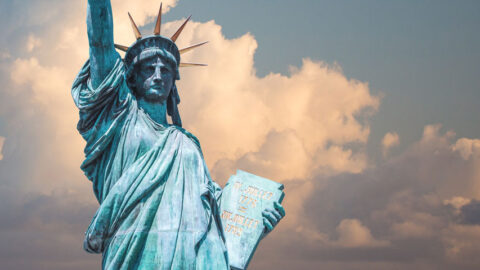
column 184, row 50
column 192, row 65
column 159, row 22
column 121, row 47
column 137, row 33
column 179, row 31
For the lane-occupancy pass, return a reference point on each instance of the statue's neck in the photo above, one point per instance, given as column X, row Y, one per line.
column 156, row 111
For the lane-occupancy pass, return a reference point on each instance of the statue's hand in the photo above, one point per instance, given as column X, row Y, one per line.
column 271, row 217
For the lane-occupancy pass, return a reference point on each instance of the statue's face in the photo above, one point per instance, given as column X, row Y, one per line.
column 154, row 80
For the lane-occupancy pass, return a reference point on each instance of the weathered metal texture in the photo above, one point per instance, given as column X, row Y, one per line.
column 179, row 31
column 244, row 199
column 182, row 51
column 158, row 24
column 158, row 204
column 135, row 29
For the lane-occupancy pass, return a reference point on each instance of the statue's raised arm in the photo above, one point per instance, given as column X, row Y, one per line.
column 100, row 38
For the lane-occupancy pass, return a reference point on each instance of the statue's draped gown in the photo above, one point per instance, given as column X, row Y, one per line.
column 158, row 204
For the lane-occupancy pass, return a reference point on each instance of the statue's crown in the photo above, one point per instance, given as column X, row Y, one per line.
column 133, row 52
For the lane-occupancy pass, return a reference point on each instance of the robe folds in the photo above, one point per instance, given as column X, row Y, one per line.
column 158, row 203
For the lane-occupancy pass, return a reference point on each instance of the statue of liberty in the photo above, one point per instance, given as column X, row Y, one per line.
column 158, row 203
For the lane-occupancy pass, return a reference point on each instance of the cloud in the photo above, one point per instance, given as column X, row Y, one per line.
column 422, row 205
column 143, row 12
column 4, row 55
column 470, row 213
column 352, row 233
column 2, row 141
column 306, row 120
column 467, row 147
column 306, row 115
column 33, row 42
column 390, row 140
column 457, row 203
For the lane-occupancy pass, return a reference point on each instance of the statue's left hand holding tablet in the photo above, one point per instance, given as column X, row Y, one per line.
column 271, row 217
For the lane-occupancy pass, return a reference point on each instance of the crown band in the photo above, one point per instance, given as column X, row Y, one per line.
column 132, row 57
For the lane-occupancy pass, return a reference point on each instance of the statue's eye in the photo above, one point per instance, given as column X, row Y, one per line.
column 165, row 70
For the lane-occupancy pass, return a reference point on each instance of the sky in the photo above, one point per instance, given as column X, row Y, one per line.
column 364, row 110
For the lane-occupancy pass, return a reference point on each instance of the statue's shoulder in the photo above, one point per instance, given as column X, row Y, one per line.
column 188, row 135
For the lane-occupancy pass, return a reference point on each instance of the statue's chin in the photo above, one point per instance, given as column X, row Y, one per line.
column 156, row 95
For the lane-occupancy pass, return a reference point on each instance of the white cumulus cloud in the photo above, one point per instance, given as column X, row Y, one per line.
column 390, row 140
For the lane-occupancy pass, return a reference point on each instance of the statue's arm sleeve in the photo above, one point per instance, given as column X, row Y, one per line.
column 217, row 190
column 100, row 39
column 102, row 106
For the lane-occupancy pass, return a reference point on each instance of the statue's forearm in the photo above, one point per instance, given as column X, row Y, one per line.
column 100, row 37
column 99, row 23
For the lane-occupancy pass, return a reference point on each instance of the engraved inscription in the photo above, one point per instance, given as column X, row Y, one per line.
column 235, row 224
column 250, row 196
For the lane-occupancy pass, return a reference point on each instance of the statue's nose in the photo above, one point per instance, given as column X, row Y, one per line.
column 157, row 77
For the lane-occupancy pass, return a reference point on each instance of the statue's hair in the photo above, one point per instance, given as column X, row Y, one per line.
column 173, row 98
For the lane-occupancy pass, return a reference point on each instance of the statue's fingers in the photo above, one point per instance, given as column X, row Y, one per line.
column 271, row 210
column 267, row 224
column 280, row 208
column 277, row 214
column 271, row 217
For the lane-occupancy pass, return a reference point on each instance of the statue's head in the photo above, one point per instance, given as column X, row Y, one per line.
column 152, row 67
column 154, row 76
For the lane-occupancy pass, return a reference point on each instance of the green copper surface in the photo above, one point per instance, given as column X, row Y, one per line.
column 158, row 204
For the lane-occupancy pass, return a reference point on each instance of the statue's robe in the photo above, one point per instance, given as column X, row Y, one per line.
column 158, row 205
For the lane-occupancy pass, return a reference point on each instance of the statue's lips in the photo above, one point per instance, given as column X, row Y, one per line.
column 156, row 87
